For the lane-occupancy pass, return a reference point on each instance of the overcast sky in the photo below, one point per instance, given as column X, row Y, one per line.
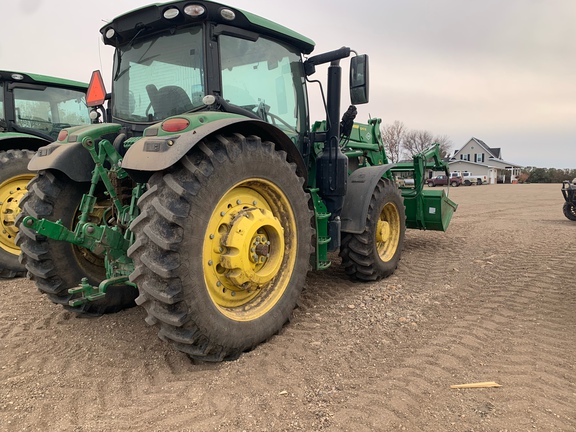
column 503, row 71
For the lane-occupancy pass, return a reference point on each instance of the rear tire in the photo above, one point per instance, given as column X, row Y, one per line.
column 375, row 253
column 222, row 247
column 454, row 184
column 569, row 210
column 55, row 266
column 14, row 176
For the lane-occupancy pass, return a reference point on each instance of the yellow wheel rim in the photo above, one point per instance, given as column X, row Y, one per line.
column 249, row 249
column 11, row 192
column 388, row 231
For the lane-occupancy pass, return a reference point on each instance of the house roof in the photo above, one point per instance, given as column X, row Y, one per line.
column 505, row 163
column 493, row 151
column 496, row 152
column 492, row 163
column 456, row 161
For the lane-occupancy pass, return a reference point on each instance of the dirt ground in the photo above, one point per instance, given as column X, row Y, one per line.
column 492, row 299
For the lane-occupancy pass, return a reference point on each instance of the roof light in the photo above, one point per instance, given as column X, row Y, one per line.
column 194, row 10
column 175, row 124
column 171, row 13
column 209, row 100
column 227, row 14
column 17, row 77
column 110, row 33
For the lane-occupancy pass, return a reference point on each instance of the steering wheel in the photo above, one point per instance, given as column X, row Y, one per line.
column 279, row 119
column 263, row 111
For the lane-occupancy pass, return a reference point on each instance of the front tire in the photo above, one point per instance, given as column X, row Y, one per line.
column 375, row 253
column 14, row 176
column 222, row 247
column 569, row 210
column 55, row 266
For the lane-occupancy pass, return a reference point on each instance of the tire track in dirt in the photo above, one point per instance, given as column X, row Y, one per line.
column 511, row 302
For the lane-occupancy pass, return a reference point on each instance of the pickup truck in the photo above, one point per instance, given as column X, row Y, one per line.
column 443, row 180
column 469, row 178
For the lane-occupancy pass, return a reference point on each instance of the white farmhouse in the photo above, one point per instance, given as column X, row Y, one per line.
column 479, row 159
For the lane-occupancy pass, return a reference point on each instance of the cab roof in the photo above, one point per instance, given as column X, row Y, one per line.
column 149, row 19
column 30, row 78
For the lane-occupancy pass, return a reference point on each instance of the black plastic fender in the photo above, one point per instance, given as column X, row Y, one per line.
column 70, row 158
column 156, row 153
column 361, row 184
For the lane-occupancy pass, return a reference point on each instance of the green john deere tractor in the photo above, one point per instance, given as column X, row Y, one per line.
column 207, row 194
column 33, row 110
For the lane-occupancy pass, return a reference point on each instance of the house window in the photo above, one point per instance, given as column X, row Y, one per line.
column 479, row 157
column 465, row 157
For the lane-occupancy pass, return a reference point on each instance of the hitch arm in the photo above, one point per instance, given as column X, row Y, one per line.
column 53, row 230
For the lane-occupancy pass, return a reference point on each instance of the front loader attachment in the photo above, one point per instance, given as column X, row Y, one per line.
column 430, row 210
column 425, row 209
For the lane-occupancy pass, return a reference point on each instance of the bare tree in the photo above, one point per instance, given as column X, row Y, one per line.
column 445, row 145
column 416, row 141
column 393, row 137
column 400, row 142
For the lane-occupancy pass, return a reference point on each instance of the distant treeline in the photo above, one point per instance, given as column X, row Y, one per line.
column 546, row 175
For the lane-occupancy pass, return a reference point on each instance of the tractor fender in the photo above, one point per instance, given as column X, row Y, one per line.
column 72, row 159
column 69, row 156
column 159, row 152
column 361, row 184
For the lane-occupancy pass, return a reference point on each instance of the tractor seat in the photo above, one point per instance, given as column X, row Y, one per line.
column 168, row 100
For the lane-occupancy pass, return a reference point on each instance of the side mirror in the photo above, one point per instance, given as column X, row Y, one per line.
column 359, row 79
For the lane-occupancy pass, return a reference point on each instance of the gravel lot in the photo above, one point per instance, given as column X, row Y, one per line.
column 492, row 299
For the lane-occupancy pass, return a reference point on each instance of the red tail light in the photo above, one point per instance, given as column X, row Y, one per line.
column 175, row 125
column 62, row 135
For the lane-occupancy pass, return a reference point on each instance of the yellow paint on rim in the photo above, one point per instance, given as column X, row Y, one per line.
column 388, row 230
column 11, row 192
column 249, row 249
